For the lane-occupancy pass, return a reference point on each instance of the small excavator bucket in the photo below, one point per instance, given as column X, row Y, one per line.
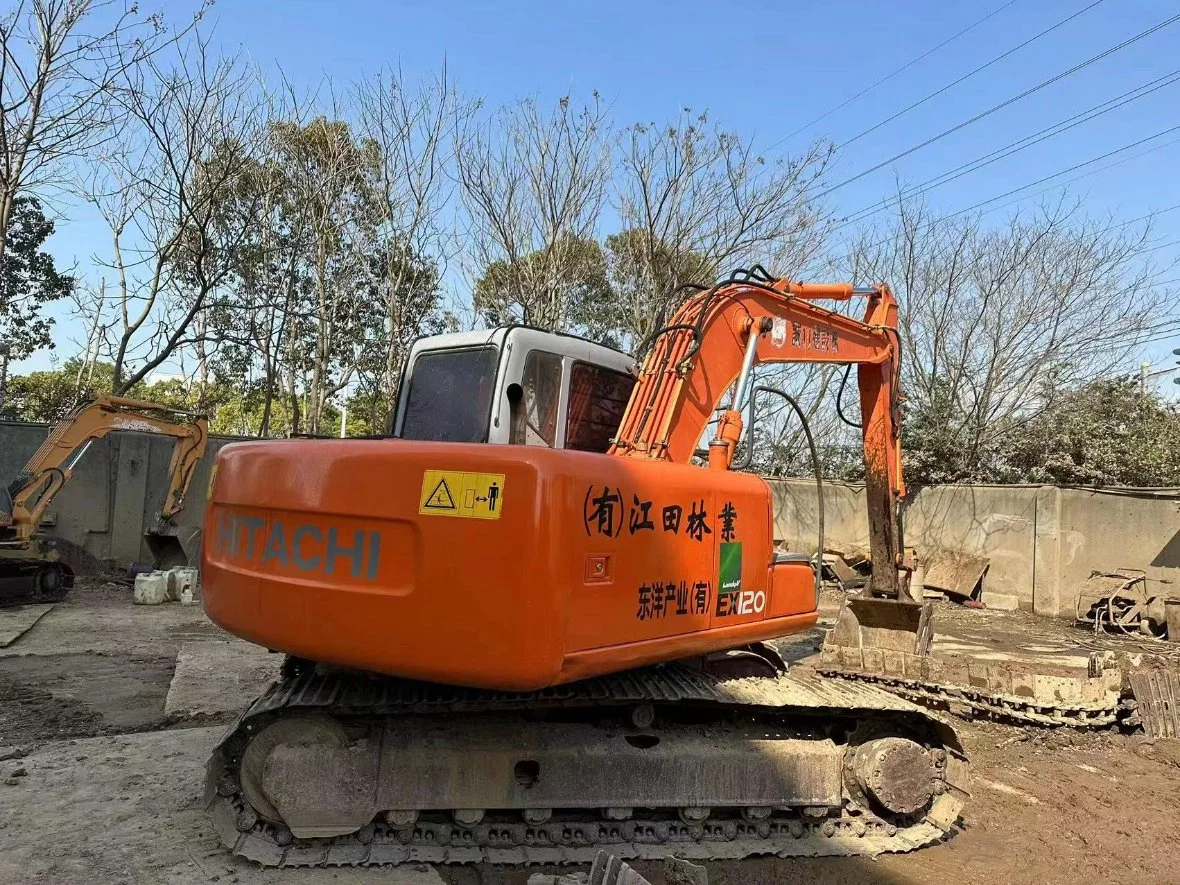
column 894, row 625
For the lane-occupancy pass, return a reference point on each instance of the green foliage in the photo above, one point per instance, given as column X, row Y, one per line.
column 645, row 274
column 1106, row 433
column 51, row 395
column 558, row 288
column 326, row 292
column 935, row 445
column 616, row 293
column 29, row 280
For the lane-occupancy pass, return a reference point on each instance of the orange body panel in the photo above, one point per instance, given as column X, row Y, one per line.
column 596, row 563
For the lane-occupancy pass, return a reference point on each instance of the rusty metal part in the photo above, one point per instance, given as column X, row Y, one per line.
column 764, row 757
column 1157, row 696
column 896, row 772
column 839, row 572
column 1118, row 602
column 883, row 624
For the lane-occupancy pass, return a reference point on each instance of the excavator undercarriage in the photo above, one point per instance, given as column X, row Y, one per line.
column 884, row 643
column 344, row 768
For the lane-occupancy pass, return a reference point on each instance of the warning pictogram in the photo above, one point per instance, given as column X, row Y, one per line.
column 440, row 498
column 458, row 493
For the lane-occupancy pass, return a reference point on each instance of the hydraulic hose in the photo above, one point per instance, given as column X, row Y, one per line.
column 840, row 400
column 819, row 478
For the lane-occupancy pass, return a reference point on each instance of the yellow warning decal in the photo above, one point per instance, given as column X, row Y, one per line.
column 456, row 493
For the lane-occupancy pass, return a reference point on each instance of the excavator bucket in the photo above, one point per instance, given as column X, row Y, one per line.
column 886, row 625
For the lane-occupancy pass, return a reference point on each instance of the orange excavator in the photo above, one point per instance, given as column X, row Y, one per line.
column 30, row 563
column 504, row 647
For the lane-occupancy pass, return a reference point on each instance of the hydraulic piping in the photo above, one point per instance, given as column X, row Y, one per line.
column 819, row 478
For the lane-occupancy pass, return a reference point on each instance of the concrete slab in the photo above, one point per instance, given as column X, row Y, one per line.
column 127, row 808
column 15, row 621
column 218, row 677
column 1005, row 602
column 102, row 620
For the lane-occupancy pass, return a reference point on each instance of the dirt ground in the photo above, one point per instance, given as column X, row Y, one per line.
column 109, row 790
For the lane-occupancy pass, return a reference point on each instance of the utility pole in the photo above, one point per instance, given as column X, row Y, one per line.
column 1145, row 373
column 344, row 419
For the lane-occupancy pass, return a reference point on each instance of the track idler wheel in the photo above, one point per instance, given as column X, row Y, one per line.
column 896, row 773
column 292, row 730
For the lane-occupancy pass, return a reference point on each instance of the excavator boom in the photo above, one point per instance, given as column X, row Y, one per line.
column 714, row 339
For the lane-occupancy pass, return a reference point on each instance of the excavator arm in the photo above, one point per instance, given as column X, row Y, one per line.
column 711, row 346
column 52, row 465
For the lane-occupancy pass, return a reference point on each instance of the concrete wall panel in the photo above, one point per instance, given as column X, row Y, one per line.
column 1042, row 541
column 998, row 522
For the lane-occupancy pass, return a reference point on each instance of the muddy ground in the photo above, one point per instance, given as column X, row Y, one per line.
column 109, row 790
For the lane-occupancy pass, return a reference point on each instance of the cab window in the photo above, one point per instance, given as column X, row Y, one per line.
column 598, row 398
column 450, row 395
column 534, row 412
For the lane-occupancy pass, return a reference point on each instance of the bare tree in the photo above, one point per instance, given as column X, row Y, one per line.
column 533, row 186
column 694, row 199
column 61, row 64
column 414, row 130
column 161, row 185
column 330, row 175
column 998, row 320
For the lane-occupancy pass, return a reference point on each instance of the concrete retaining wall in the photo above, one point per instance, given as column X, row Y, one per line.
column 1043, row 541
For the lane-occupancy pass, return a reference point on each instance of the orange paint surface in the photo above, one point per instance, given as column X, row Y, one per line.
column 597, row 563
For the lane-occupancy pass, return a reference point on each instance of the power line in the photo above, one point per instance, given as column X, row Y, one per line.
column 1055, row 78
column 1159, row 332
column 1161, row 246
column 1069, row 169
column 1016, row 146
column 890, row 75
column 970, row 74
column 1061, row 172
column 1158, row 147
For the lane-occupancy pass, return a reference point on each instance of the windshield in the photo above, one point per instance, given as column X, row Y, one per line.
column 450, row 395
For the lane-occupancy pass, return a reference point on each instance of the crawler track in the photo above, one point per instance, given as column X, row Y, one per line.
column 814, row 726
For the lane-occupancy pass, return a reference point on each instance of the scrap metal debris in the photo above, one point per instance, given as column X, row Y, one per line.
column 1156, row 688
column 955, row 572
column 1120, row 602
column 841, row 570
column 607, row 870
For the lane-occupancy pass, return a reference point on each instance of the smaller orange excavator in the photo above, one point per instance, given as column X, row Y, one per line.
column 30, row 565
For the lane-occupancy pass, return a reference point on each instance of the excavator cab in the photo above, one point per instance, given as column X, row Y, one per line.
column 514, row 385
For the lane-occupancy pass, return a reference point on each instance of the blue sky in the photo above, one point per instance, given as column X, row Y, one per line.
column 765, row 70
